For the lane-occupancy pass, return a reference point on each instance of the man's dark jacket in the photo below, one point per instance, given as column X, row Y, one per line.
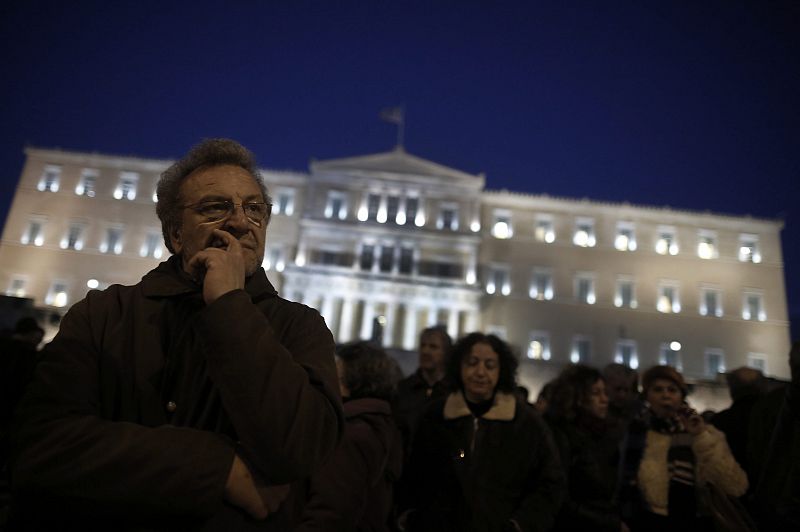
column 146, row 393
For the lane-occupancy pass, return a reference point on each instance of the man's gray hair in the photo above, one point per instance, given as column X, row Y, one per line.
column 209, row 152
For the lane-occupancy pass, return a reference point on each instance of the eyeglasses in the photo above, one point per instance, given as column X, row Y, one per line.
column 216, row 210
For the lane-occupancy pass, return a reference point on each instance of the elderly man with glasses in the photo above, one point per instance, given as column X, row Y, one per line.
column 192, row 399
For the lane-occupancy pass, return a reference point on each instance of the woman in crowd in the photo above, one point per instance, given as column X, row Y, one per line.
column 577, row 416
column 481, row 460
column 669, row 455
column 353, row 491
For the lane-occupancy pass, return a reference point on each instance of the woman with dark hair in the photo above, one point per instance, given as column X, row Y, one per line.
column 353, row 491
column 576, row 414
column 482, row 460
column 669, row 455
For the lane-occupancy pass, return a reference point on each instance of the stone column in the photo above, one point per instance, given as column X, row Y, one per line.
column 410, row 328
column 346, row 320
column 452, row 323
column 388, row 330
column 366, row 320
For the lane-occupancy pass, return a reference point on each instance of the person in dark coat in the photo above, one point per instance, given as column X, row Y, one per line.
column 418, row 390
column 577, row 416
column 353, row 491
column 481, row 460
column 190, row 400
column 746, row 386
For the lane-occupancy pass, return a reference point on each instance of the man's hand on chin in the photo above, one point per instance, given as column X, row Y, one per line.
column 222, row 269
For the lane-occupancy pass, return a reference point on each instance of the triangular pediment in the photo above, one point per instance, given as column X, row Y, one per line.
column 397, row 161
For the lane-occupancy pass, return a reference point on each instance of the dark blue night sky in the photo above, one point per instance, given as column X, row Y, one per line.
column 689, row 104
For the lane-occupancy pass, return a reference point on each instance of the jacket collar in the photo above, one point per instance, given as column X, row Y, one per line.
column 502, row 409
column 168, row 279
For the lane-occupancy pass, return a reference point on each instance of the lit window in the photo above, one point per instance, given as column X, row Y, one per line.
column 625, row 240
column 627, row 354
column 584, row 288
column 448, row 217
column 501, row 225
column 539, row 345
column 50, row 178
column 544, row 230
column 336, row 206
column 710, row 302
column 126, row 188
column 151, row 246
column 86, row 186
column 670, row 355
column 16, row 288
column 367, row 257
column 393, row 209
column 541, row 285
column 285, row 202
column 668, row 298
column 625, row 297
column 748, row 249
column 274, row 259
column 92, row 284
column 74, row 237
column 753, row 307
column 666, row 244
column 757, row 361
column 707, row 244
column 715, row 362
column 34, row 233
column 57, row 295
column 113, row 242
column 498, row 281
column 584, row 233
column 581, row 350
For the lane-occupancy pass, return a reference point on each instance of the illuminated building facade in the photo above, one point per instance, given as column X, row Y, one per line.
column 386, row 244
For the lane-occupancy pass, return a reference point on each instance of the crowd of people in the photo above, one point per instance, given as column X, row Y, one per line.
column 199, row 399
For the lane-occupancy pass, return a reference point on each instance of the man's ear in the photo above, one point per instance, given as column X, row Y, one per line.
column 176, row 240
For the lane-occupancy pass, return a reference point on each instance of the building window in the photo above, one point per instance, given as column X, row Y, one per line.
column 584, row 288
column 707, row 244
column 544, row 231
column 498, row 281
column 57, row 294
column 715, row 362
column 126, row 188
column 539, row 345
column 336, row 206
column 34, row 233
column 151, row 246
column 386, row 261
column 74, row 237
column 757, row 361
column 367, row 257
column 753, row 307
column 710, row 302
column 16, row 288
column 625, row 240
column 285, row 202
column 50, row 179
column 667, row 243
column 668, row 297
column 748, row 249
column 86, row 186
column 406, row 260
column 627, row 354
column 412, row 212
column 373, row 206
column 113, row 242
column 274, row 259
column 448, row 217
column 541, row 284
column 670, row 355
column 501, row 224
column 584, row 233
column 625, row 296
column 393, row 210
column 581, row 350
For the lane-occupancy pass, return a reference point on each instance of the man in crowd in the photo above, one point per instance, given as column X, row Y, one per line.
column 191, row 399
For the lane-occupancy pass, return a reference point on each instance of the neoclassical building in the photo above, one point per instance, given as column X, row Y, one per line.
column 384, row 245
